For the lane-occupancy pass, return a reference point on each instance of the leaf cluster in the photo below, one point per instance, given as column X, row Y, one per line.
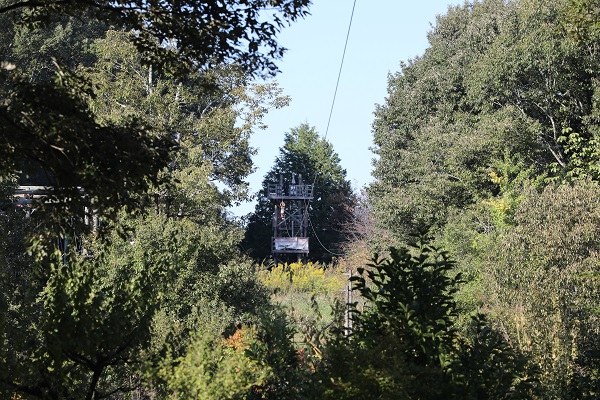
column 409, row 295
column 183, row 35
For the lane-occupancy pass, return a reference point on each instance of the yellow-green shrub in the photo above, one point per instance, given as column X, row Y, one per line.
column 309, row 277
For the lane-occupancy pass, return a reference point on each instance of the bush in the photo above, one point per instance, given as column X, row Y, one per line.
column 309, row 278
column 404, row 344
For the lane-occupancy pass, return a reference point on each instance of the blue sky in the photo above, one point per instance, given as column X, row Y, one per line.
column 383, row 33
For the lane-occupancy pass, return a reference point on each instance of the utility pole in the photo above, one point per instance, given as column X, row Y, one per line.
column 348, row 313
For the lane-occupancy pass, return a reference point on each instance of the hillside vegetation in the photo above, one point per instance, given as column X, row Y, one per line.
column 474, row 256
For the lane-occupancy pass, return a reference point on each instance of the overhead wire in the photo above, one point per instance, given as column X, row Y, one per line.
column 340, row 71
column 319, row 240
column 330, row 114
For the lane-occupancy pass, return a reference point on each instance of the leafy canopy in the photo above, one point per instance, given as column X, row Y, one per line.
column 183, row 34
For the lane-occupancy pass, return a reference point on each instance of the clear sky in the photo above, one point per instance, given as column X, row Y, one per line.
column 383, row 33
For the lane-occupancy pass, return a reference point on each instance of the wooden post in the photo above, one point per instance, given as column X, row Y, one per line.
column 348, row 314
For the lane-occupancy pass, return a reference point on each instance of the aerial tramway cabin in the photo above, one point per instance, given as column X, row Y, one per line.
column 290, row 199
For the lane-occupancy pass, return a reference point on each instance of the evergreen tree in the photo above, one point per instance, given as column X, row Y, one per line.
column 305, row 153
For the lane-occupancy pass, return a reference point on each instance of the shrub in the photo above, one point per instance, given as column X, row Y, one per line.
column 309, row 278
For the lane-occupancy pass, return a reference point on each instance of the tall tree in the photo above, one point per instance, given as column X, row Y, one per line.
column 51, row 122
column 210, row 126
column 92, row 316
column 500, row 81
column 502, row 103
column 305, row 153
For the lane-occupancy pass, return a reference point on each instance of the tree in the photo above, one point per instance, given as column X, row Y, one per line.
column 210, row 126
column 50, row 122
column 98, row 318
column 544, row 289
column 432, row 151
column 304, row 153
column 502, row 104
column 499, row 80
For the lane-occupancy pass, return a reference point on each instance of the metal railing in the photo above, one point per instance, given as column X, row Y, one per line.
column 277, row 191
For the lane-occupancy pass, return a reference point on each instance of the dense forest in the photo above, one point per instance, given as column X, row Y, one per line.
column 489, row 142
column 468, row 269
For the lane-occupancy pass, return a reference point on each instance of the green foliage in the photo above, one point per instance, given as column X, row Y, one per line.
column 99, row 317
column 120, row 131
column 215, row 369
column 490, row 140
column 310, row 295
column 410, row 296
column 257, row 361
column 111, row 315
column 404, row 343
column 19, row 287
column 353, row 372
column 512, row 177
column 211, row 127
column 86, row 320
column 581, row 20
column 199, row 34
column 584, row 155
column 66, row 117
column 488, row 366
column 51, row 123
column 433, row 147
column 275, row 349
column 544, row 290
column 500, row 81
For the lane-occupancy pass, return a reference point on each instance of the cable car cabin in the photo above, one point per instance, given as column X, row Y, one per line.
column 290, row 201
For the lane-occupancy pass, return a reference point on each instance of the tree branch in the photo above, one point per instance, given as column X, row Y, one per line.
column 28, row 4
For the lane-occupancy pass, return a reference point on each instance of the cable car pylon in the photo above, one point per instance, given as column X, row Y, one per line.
column 290, row 199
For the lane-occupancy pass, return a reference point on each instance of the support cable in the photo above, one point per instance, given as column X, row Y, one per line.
column 329, row 121
column 319, row 240
column 340, row 72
